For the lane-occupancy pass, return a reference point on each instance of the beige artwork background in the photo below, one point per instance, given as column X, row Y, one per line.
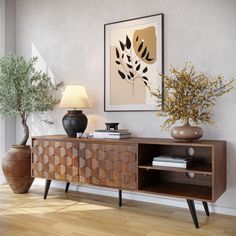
column 123, row 91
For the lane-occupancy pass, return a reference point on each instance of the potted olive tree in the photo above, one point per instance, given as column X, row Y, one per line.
column 23, row 91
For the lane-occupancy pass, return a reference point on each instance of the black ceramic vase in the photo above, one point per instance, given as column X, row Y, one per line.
column 74, row 122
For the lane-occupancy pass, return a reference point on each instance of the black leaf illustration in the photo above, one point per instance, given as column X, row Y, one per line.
column 144, row 52
column 122, row 75
column 131, row 74
column 145, row 78
column 128, row 43
column 145, row 70
column 122, row 56
column 129, row 58
column 145, row 83
column 138, row 67
column 117, row 53
column 147, row 57
column 122, row 46
column 137, row 38
column 117, row 62
column 128, row 76
column 140, row 47
column 136, row 62
column 130, row 66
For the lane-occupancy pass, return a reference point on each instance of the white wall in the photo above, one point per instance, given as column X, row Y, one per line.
column 68, row 38
column 7, row 45
column 10, row 47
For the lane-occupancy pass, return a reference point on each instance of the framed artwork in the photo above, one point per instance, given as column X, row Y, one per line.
column 134, row 57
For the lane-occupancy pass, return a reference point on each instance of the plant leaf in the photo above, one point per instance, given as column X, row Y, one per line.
column 145, row 70
column 145, row 78
column 122, row 46
column 138, row 67
column 130, row 66
column 129, row 58
column 122, row 75
column 147, row 57
column 117, row 53
column 144, row 52
column 131, row 74
column 117, row 62
column 128, row 43
column 140, row 47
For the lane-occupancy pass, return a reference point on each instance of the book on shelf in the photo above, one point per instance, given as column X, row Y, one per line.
column 173, row 159
column 119, row 131
column 111, row 135
column 172, row 164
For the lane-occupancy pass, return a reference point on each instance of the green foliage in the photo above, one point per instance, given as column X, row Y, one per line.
column 23, row 90
column 190, row 95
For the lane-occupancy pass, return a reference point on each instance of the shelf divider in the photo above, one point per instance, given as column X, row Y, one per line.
column 197, row 168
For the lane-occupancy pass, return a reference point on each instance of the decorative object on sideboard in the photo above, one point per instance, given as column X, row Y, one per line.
column 134, row 56
column 189, row 96
column 112, row 125
column 111, row 132
column 23, row 91
column 76, row 98
column 187, row 131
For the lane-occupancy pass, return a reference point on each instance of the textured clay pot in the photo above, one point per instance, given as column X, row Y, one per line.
column 186, row 132
column 16, row 167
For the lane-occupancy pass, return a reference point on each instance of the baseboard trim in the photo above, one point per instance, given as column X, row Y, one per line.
column 150, row 198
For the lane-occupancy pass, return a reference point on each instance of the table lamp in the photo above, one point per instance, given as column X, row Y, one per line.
column 75, row 97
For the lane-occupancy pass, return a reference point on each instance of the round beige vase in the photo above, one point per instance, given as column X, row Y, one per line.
column 186, row 132
column 16, row 166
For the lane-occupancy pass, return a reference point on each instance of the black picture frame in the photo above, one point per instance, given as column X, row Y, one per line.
column 140, row 26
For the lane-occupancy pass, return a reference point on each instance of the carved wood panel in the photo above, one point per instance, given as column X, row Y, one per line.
column 111, row 165
column 55, row 160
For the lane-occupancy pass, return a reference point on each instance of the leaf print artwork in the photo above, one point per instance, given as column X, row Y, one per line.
column 133, row 60
column 136, row 52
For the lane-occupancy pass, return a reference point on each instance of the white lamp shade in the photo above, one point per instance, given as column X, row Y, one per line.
column 75, row 97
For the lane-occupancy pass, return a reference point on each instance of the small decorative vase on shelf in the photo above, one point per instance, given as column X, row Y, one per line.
column 186, row 132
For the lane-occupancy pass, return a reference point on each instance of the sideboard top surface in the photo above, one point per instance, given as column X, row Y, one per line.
column 134, row 140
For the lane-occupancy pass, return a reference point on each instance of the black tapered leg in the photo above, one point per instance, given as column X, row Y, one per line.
column 47, row 186
column 120, row 197
column 67, row 186
column 192, row 209
column 205, row 205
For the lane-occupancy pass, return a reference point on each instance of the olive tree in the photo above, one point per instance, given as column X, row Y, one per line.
column 23, row 90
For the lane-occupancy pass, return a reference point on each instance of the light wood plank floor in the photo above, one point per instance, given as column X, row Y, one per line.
column 82, row 214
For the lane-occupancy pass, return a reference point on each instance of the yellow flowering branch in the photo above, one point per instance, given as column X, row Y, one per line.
column 189, row 95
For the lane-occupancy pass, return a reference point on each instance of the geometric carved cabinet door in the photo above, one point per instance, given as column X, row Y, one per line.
column 110, row 165
column 55, row 160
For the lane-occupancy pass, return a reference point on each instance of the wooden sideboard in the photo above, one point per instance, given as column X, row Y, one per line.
column 125, row 164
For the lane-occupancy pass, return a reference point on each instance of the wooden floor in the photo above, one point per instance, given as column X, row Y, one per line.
column 85, row 214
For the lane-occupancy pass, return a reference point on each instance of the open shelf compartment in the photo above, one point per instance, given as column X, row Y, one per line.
column 202, row 156
column 188, row 185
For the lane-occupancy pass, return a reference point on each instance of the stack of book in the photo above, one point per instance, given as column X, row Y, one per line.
column 172, row 161
column 112, row 134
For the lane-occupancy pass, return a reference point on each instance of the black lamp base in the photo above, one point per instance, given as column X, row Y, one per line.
column 74, row 122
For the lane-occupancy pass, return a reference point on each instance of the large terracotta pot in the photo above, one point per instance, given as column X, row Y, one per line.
column 186, row 132
column 16, row 167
